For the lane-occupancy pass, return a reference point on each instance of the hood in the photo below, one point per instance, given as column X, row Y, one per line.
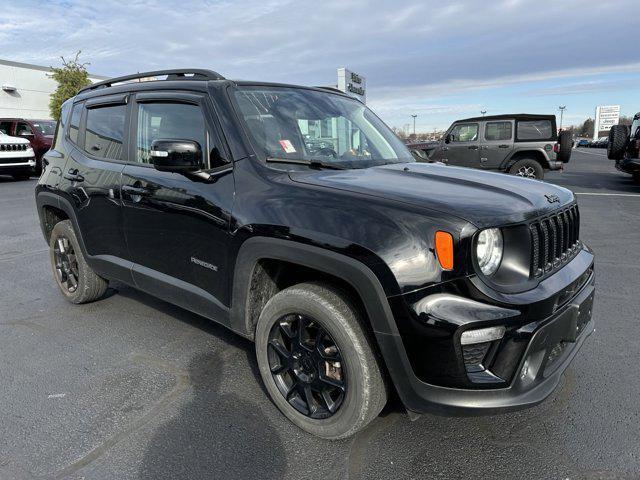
column 483, row 198
column 6, row 139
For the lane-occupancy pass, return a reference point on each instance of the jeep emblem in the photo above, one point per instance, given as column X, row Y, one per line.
column 552, row 198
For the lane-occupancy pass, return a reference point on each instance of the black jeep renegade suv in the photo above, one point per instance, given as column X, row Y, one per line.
column 354, row 269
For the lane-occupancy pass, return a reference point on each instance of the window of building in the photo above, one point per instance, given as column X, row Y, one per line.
column 177, row 121
column 498, row 131
column 104, row 135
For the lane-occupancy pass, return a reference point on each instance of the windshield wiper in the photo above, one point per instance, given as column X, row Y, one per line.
column 310, row 163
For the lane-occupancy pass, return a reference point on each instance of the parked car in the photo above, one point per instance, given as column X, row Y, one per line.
column 624, row 147
column 601, row 142
column 519, row 144
column 38, row 132
column 16, row 157
column 583, row 142
column 356, row 271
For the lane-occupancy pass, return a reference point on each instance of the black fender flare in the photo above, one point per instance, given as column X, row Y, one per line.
column 508, row 163
column 355, row 273
column 44, row 199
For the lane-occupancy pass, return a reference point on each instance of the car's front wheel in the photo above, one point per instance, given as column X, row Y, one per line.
column 527, row 168
column 317, row 361
column 75, row 278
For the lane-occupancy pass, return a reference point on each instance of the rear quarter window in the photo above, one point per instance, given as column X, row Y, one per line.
column 534, row 130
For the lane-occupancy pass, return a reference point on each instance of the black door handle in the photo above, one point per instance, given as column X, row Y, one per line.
column 131, row 190
column 503, row 146
column 473, row 147
column 73, row 175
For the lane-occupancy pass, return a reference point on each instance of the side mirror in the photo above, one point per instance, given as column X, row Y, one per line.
column 448, row 138
column 178, row 156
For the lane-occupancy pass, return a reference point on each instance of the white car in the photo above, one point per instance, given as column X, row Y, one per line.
column 16, row 157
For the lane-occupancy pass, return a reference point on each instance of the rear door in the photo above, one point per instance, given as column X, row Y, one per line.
column 177, row 227
column 463, row 147
column 91, row 178
column 497, row 143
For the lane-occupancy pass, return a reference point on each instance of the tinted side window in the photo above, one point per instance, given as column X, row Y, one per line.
column 168, row 121
column 105, row 132
column 74, row 125
column 5, row 127
column 535, row 130
column 498, row 131
column 464, row 132
column 62, row 123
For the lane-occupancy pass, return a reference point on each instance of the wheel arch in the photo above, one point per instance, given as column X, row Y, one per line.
column 537, row 154
column 52, row 207
column 255, row 280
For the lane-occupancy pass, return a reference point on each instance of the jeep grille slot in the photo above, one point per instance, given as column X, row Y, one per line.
column 554, row 240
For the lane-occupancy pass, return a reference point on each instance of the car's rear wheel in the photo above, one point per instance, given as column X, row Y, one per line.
column 618, row 136
column 317, row 362
column 76, row 280
column 527, row 168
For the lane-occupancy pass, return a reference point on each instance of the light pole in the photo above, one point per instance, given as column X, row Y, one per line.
column 561, row 107
column 483, row 112
column 414, row 123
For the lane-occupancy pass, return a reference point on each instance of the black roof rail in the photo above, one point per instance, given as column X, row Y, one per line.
column 332, row 89
column 176, row 74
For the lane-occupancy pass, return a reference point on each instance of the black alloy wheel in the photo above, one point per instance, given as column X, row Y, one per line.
column 66, row 264
column 306, row 365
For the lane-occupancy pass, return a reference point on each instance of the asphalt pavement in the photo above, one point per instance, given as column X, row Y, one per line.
column 131, row 387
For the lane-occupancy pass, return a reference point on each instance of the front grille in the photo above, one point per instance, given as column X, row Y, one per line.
column 13, row 147
column 554, row 240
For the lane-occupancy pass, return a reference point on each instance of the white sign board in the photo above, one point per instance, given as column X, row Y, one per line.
column 606, row 117
column 353, row 84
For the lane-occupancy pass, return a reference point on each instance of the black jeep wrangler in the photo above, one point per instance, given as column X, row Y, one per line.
column 624, row 147
column 520, row 144
column 356, row 270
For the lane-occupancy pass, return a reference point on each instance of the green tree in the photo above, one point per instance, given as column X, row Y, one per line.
column 71, row 77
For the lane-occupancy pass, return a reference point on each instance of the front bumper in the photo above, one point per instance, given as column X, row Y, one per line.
column 532, row 358
column 19, row 164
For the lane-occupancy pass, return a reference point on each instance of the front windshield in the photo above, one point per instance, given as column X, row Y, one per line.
column 308, row 125
column 45, row 127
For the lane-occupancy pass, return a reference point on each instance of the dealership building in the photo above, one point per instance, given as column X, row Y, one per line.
column 25, row 90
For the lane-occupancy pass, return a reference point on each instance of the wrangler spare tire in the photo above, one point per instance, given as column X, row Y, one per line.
column 618, row 136
column 565, row 142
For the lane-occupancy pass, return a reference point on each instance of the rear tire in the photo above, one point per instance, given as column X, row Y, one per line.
column 76, row 280
column 295, row 377
column 566, row 145
column 527, row 168
column 618, row 137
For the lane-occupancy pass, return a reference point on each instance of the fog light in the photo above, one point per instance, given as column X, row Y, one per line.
column 482, row 335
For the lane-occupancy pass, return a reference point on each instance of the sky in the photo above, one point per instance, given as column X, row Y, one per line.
column 440, row 60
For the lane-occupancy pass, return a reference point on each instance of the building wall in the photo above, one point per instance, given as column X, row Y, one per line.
column 33, row 87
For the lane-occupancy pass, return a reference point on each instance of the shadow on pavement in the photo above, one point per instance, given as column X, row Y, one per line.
column 215, row 435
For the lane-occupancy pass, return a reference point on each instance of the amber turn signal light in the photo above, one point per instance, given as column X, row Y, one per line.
column 444, row 249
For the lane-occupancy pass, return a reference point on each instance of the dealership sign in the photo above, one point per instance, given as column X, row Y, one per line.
column 353, row 84
column 606, row 117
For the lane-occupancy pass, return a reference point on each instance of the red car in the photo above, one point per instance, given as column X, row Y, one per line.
column 38, row 132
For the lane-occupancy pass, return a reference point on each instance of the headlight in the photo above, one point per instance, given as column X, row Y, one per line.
column 489, row 250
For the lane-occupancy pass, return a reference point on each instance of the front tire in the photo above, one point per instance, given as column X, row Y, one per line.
column 76, row 280
column 527, row 168
column 317, row 361
column 618, row 136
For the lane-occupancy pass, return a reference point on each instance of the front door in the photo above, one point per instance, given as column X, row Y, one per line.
column 461, row 147
column 177, row 227
column 497, row 143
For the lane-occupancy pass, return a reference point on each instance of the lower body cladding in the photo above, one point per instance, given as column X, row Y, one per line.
column 457, row 352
